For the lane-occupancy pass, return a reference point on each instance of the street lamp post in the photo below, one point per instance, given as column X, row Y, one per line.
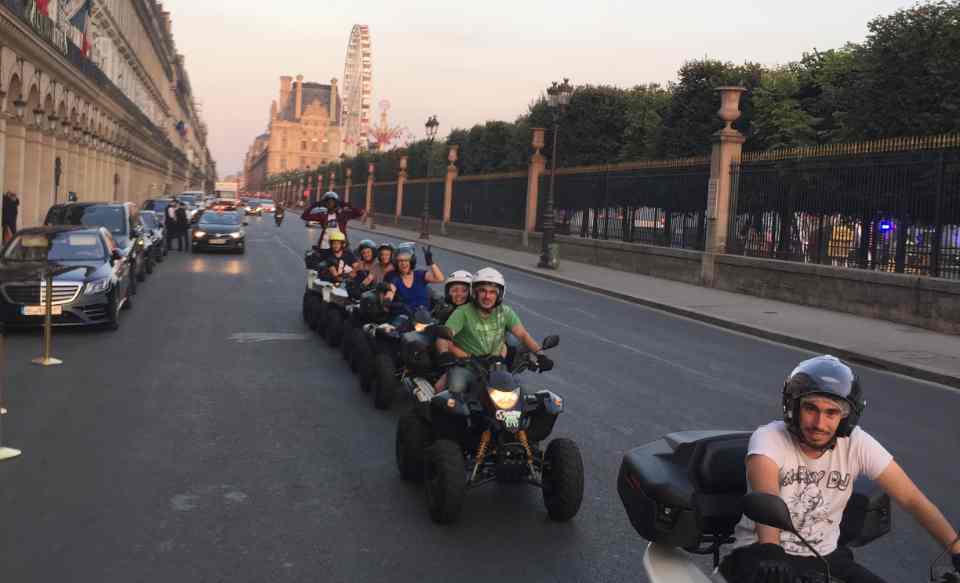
column 431, row 127
column 558, row 97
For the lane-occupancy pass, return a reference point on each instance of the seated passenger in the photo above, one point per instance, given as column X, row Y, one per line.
column 338, row 258
column 408, row 285
column 456, row 292
column 382, row 266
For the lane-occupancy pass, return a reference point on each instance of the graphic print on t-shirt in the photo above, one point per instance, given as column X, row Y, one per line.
column 810, row 510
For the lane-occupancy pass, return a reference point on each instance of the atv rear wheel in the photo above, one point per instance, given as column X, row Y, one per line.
column 562, row 479
column 308, row 307
column 320, row 317
column 361, row 359
column 384, row 382
column 413, row 437
column 334, row 327
column 446, row 481
column 346, row 340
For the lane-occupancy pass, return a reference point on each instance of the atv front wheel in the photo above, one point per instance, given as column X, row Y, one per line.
column 320, row 317
column 562, row 479
column 346, row 340
column 384, row 383
column 446, row 481
column 413, row 437
column 361, row 359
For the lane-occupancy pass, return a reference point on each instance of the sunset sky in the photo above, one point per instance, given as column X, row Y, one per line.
column 469, row 62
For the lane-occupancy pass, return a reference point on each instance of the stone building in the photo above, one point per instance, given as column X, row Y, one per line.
column 96, row 103
column 305, row 131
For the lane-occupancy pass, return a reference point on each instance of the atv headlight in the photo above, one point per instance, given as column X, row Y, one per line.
column 199, row 234
column 419, row 327
column 504, row 399
column 97, row 286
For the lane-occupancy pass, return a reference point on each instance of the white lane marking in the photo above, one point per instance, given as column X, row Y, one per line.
column 618, row 344
column 250, row 337
column 287, row 247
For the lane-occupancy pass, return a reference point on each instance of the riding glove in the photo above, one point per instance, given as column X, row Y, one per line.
column 956, row 562
column 428, row 256
column 544, row 363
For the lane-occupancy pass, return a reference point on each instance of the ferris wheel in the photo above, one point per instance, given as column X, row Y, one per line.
column 357, row 89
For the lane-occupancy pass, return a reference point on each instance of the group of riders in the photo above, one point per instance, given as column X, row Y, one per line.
column 823, row 401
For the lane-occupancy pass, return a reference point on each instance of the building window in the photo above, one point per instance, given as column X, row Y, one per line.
column 313, row 146
column 303, row 162
column 284, row 142
column 283, row 164
column 303, row 146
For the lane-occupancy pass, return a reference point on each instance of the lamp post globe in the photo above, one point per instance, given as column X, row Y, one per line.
column 431, row 130
column 558, row 98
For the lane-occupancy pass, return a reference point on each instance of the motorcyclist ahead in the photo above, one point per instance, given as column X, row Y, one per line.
column 409, row 285
column 811, row 458
column 456, row 292
column 479, row 329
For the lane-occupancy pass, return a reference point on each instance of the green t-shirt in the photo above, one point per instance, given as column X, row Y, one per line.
column 479, row 336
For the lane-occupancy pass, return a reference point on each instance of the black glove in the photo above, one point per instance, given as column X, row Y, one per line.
column 773, row 571
column 544, row 363
column 428, row 256
column 956, row 562
column 383, row 287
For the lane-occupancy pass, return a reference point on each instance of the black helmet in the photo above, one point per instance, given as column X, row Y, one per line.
column 330, row 195
column 366, row 244
column 828, row 376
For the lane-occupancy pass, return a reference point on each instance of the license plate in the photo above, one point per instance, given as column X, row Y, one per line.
column 42, row 310
column 217, row 241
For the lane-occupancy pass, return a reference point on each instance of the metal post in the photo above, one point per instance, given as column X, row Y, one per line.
column 5, row 452
column 46, row 359
column 548, row 252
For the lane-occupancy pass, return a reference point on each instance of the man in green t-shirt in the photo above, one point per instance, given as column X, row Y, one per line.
column 479, row 328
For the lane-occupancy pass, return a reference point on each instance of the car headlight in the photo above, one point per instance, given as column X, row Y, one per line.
column 236, row 235
column 97, row 286
column 504, row 399
column 199, row 234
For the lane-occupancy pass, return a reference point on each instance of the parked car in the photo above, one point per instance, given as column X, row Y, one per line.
column 219, row 230
column 122, row 221
column 95, row 286
column 157, row 205
column 154, row 236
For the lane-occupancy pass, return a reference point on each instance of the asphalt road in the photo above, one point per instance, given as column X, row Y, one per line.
column 215, row 438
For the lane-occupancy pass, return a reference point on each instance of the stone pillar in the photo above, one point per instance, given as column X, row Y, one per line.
column 348, row 184
column 30, row 197
column 401, row 180
column 370, row 209
column 48, row 155
column 73, row 169
column 727, row 145
column 535, row 170
column 448, row 186
column 62, row 152
column 14, row 160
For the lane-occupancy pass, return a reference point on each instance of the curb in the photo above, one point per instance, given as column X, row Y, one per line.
column 764, row 333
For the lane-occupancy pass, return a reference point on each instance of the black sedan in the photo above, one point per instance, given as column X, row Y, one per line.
column 219, row 230
column 91, row 283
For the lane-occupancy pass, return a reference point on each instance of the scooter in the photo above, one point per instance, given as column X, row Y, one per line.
column 278, row 216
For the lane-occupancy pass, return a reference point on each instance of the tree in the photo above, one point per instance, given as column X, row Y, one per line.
column 779, row 118
column 645, row 107
column 907, row 81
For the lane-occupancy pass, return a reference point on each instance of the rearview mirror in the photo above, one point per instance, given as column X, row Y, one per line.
column 550, row 341
column 768, row 509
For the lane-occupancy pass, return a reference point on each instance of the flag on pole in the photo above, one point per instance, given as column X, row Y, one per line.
column 78, row 12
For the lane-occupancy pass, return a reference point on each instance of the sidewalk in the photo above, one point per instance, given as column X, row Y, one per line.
column 899, row 348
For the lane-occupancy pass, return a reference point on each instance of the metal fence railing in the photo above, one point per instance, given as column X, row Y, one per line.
column 660, row 203
column 413, row 193
column 385, row 197
column 893, row 211
column 497, row 200
column 358, row 195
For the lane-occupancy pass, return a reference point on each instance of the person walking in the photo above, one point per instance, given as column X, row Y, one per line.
column 170, row 224
column 183, row 226
column 11, row 206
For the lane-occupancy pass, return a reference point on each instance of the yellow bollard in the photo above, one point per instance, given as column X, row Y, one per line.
column 46, row 359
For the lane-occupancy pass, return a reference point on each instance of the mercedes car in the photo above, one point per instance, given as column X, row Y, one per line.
column 91, row 284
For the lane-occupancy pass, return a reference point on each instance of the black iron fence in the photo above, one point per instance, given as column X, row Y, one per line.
column 358, row 195
column 385, row 197
column 497, row 200
column 660, row 203
column 414, row 193
column 894, row 211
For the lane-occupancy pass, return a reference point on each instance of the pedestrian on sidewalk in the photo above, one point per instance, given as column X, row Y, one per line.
column 11, row 206
column 183, row 226
column 170, row 224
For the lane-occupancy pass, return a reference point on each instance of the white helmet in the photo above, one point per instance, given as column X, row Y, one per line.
column 460, row 276
column 489, row 275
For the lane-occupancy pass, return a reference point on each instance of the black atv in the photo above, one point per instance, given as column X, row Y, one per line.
column 313, row 292
column 370, row 311
column 404, row 359
column 491, row 432
column 343, row 297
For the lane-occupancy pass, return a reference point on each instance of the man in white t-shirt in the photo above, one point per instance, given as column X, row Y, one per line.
column 811, row 459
